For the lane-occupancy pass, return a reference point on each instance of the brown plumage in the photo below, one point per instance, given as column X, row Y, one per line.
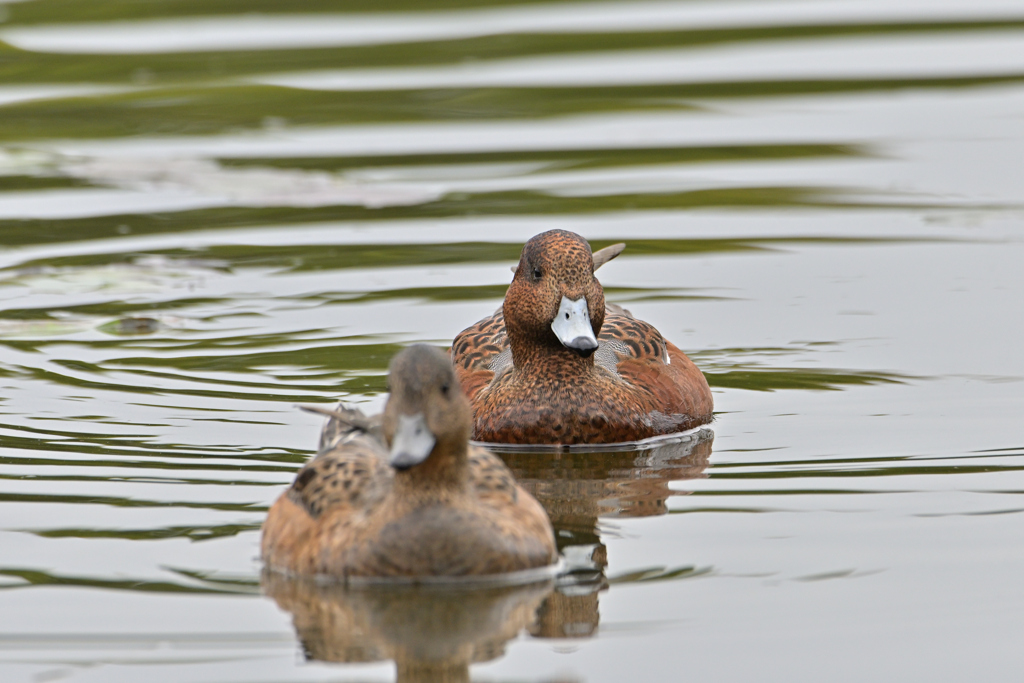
column 557, row 365
column 406, row 495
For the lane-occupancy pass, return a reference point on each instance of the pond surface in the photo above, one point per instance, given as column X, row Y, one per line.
column 213, row 211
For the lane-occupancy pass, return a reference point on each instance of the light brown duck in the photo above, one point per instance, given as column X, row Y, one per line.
column 405, row 495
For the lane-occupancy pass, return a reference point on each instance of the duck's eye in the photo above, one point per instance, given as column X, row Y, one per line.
column 536, row 273
column 445, row 388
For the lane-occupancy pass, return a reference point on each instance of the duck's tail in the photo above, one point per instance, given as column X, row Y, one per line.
column 344, row 421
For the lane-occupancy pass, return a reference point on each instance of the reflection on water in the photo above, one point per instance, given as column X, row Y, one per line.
column 578, row 489
column 432, row 634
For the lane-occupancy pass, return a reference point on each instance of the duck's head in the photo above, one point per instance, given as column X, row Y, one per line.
column 427, row 412
column 554, row 299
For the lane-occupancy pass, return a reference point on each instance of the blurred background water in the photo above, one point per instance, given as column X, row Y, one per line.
column 211, row 211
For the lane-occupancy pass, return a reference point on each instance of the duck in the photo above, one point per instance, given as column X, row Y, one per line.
column 556, row 364
column 404, row 495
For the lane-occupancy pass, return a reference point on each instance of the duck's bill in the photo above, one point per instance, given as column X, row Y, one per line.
column 412, row 442
column 572, row 326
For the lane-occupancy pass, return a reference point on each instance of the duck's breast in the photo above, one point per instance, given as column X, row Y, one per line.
column 442, row 539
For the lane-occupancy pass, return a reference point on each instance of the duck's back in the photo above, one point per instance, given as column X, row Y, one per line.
column 480, row 353
column 345, row 481
column 640, row 356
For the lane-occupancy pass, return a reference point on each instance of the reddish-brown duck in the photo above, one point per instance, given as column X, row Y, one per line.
column 557, row 365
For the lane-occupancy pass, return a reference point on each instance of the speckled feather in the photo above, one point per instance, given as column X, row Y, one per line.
column 636, row 385
column 460, row 512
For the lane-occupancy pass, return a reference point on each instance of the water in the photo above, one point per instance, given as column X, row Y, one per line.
column 211, row 212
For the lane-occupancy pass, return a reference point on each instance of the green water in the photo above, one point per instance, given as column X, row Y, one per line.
column 213, row 211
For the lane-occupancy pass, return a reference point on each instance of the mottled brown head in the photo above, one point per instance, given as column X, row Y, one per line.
column 554, row 296
column 427, row 413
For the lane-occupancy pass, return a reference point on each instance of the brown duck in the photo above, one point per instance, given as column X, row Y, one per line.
column 556, row 365
column 405, row 495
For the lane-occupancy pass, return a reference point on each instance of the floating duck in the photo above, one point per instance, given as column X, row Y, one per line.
column 404, row 494
column 557, row 365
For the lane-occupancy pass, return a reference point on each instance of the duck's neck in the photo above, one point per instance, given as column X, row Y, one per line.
column 531, row 357
column 444, row 473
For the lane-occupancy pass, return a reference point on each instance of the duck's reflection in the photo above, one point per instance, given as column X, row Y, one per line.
column 577, row 488
column 432, row 633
